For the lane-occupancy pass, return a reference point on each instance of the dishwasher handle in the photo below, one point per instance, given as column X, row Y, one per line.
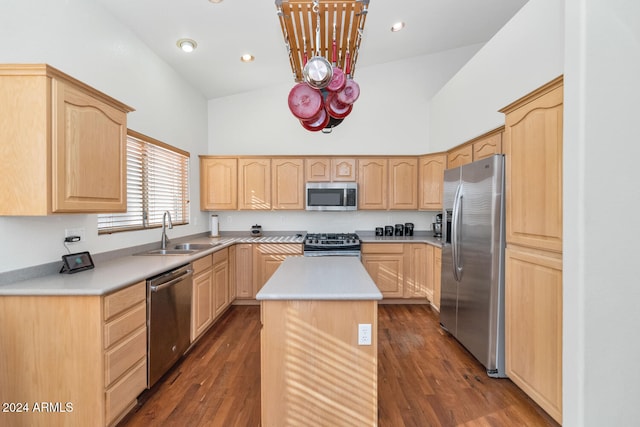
column 165, row 285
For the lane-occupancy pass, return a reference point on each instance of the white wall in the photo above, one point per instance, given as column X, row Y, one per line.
column 390, row 117
column 526, row 53
column 83, row 40
column 601, row 151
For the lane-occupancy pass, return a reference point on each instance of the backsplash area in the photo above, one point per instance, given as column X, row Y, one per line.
column 322, row 222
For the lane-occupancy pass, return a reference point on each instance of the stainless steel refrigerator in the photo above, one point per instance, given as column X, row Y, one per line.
column 472, row 294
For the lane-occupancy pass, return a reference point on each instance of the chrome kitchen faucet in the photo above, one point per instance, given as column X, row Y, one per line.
column 164, row 239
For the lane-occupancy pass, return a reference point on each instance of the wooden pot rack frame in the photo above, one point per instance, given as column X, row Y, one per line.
column 299, row 19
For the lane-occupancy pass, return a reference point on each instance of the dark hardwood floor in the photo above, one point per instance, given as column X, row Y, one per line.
column 425, row 378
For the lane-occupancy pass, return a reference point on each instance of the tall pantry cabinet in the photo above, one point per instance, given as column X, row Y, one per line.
column 533, row 265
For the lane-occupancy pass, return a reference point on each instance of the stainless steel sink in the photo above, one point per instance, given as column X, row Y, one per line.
column 181, row 249
column 168, row 252
column 195, row 246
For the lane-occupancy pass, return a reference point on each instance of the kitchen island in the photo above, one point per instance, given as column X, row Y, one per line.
column 313, row 368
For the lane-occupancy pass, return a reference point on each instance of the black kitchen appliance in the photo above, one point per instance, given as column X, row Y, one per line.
column 408, row 229
column 332, row 244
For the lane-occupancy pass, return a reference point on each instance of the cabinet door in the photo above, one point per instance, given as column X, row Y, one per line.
column 244, row 271
column 460, row 156
column 218, row 183
column 372, row 184
column 437, row 276
column 431, row 178
column 343, row 169
column 387, row 271
column 220, row 275
column 418, row 283
column 254, row 183
column 267, row 258
column 533, row 321
column 403, row 183
column 288, row 183
column 89, row 155
column 533, row 156
column 318, row 170
column 487, row 146
column 202, row 303
column 233, row 289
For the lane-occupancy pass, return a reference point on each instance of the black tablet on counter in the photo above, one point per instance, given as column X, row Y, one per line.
column 74, row 263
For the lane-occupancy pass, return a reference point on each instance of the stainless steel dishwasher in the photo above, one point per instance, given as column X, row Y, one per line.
column 169, row 320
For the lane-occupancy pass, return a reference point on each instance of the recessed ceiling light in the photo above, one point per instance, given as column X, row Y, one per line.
column 187, row 45
column 397, row 26
column 215, row 1
column 247, row 57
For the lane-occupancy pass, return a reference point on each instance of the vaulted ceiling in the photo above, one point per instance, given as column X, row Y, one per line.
column 226, row 30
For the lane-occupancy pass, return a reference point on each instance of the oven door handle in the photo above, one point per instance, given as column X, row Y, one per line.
column 171, row 282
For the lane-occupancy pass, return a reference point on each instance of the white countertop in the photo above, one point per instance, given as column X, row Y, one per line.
column 320, row 278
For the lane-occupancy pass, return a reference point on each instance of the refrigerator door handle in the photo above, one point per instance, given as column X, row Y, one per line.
column 456, row 236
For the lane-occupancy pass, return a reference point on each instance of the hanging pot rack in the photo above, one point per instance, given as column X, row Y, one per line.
column 322, row 39
column 303, row 20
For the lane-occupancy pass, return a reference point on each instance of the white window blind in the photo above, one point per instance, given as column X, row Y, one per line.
column 157, row 181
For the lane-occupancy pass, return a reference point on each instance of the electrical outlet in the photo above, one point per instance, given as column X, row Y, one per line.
column 364, row 334
column 74, row 232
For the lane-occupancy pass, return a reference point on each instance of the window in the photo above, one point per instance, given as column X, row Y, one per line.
column 157, row 181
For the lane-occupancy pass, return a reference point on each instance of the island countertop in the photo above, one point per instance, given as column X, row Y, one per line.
column 320, row 278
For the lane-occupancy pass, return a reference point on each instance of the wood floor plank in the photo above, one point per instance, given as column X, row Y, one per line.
column 425, row 378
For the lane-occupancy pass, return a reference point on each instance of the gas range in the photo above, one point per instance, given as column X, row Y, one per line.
column 332, row 244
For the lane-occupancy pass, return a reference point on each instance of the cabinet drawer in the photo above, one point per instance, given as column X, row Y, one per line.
column 122, row 326
column 202, row 264
column 220, row 256
column 382, row 248
column 120, row 301
column 124, row 355
column 124, row 392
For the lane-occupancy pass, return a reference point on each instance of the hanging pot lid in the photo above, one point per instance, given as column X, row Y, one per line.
column 350, row 93
column 305, row 102
column 317, row 72
column 337, row 109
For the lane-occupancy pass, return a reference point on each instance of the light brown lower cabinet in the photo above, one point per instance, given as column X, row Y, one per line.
column 533, row 325
column 437, row 277
column 201, row 297
column 404, row 270
column 210, row 296
column 81, row 355
column 267, row 257
column 385, row 264
column 243, row 271
column 220, row 278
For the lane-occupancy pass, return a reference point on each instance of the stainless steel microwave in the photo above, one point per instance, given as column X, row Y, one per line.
column 331, row 196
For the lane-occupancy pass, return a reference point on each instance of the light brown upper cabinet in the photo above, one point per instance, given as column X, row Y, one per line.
column 403, row 183
column 372, row 183
column 63, row 144
column 460, row 155
column 324, row 169
column 288, row 183
column 533, row 150
column 254, row 183
column 218, row 183
column 488, row 144
column 430, row 181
